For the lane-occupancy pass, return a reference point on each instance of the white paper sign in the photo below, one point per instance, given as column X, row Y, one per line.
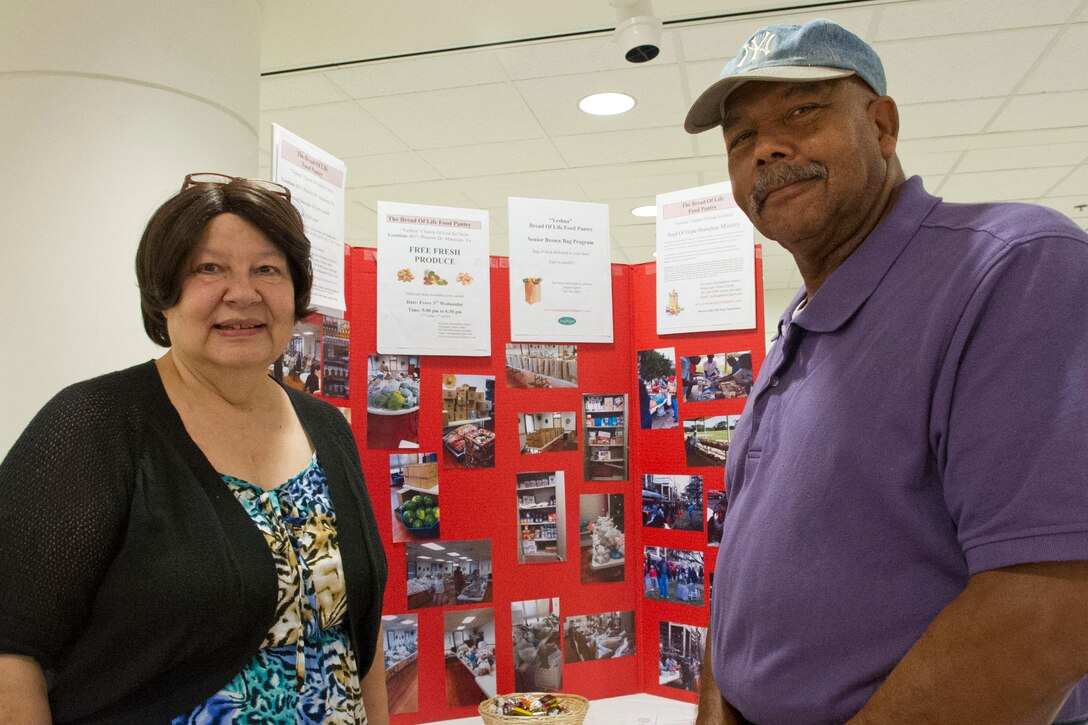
column 434, row 280
column 560, row 271
column 705, row 262
column 317, row 182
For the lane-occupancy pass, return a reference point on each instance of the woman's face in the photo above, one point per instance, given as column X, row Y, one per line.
column 237, row 305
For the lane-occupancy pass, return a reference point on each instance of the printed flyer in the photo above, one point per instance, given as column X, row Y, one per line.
column 705, row 262
column 317, row 182
column 560, row 271
column 434, row 281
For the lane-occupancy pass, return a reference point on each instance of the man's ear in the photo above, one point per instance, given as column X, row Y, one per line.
column 885, row 115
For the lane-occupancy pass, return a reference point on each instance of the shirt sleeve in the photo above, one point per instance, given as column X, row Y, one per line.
column 63, row 506
column 1015, row 455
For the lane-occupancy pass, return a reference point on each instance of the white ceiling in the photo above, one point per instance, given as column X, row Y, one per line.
column 467, row 103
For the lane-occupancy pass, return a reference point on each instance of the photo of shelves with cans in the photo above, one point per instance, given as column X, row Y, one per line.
column 605, row 453
column 541, row 366
column 542, row 525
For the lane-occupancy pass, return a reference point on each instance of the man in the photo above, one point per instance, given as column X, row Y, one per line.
column 907, row 530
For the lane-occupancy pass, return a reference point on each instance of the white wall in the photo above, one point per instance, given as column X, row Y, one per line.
column 107, row 104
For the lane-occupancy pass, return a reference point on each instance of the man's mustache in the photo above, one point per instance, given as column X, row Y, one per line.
column 778, row 176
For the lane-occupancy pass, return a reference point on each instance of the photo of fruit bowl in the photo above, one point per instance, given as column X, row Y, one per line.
column 419, row 515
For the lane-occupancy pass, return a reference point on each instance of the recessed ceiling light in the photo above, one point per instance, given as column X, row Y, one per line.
column 606, row 104
column 436, row 547
column 648, row 210
column 387, row 617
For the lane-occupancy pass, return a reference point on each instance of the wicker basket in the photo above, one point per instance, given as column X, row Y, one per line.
column 577, row 707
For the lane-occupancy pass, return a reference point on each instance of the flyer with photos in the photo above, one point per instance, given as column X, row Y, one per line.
column 434, row 282
column 560, row 271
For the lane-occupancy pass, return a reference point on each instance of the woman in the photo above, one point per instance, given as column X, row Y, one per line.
column 195, row 542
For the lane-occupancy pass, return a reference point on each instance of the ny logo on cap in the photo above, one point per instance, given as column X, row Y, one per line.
column 758, row 43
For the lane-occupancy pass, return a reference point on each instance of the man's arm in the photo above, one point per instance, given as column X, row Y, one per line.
column 713, row 709
column 1008, row 649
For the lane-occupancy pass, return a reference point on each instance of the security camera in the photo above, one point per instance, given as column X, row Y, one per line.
column 638, row 32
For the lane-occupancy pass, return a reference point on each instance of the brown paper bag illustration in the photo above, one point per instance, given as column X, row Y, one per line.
column 532, row 290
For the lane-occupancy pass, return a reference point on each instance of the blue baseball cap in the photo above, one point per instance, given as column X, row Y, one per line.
column 819, row 50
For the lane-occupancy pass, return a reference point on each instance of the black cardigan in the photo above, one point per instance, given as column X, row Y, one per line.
column 130, row 571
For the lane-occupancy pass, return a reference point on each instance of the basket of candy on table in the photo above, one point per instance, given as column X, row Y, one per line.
column 520, row 707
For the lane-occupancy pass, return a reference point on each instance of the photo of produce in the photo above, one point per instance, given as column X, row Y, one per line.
column 469, row 646
column 599, row 636
column 468, row 421
column 413, row 496
column 672, row 502
column 706, row 440
column 399, row 640
column 541, row 366
column 538, row 654
column 547, row 432
column 431, row 277
column 657, row 406
column 715, row 517
column 532, row 289
column 392, row 401
column 448, row 573
column 673, row 575
column 405, row 275
column 601, row 538
column 681, row 655
column 542, row 517
column 716, row 377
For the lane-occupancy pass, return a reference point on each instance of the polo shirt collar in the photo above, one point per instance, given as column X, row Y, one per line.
column 848, row 287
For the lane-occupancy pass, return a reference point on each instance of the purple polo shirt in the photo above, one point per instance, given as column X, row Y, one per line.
column 924, row 418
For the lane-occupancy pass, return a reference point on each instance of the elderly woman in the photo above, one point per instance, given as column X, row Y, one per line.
column 188, row 540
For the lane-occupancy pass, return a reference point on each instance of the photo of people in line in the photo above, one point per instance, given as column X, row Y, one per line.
column 547, row 432
column 538, row 655
column 468, row 421
column 715, row 517
column 657, row 389
column 399, row 635
column 706, row 440
column 413, row 496
column 300, row 365
column 716, row 376
column 673, row 575
column 448, row 573
column 672, row 502
column 541, row 366
column 599, row 636
column 600, row 528
column 469, row 645
column 681, row 655
column 392, row 401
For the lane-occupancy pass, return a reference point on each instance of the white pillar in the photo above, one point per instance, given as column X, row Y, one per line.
column 105, row 105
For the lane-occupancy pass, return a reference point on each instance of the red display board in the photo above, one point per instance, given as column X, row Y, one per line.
column 482, row 503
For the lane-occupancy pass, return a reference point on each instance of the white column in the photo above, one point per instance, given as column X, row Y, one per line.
column 105, row 105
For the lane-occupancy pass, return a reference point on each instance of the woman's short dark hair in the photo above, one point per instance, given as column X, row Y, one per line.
column 175, row 229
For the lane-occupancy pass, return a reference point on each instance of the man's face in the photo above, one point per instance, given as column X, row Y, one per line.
column 805, row 160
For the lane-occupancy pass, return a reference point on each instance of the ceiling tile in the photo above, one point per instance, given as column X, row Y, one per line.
column 496, row 158
column 940, row 162
column 300, row 89
column 976, row 65
column 1074, row 185
column 418, row 75
column 1000, row 185
column 1063, row 67
column 571, row 56
column 948, row 118
column 342, row 129
column 642, row 188
column 456, row 116
column 398, row 168
column 1024, row 157
column 1043, row 110
column 949, row 17
column 1068, row 205
column 623, row 146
